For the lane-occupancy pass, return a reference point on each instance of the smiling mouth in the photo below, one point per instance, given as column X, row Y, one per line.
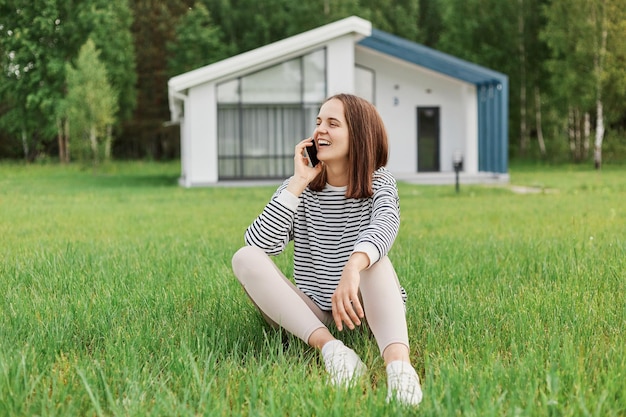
column 323, row 142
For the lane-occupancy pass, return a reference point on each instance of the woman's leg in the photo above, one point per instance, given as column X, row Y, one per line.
column 384, row 310
column 281, row 303
column 386, row 316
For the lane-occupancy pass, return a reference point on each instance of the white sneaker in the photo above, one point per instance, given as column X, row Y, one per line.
column 403, row 383
column 342, row 363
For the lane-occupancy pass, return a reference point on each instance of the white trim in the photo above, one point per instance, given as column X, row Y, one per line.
column 265, row 55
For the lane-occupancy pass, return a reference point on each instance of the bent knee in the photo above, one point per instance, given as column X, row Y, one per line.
column 244, row 257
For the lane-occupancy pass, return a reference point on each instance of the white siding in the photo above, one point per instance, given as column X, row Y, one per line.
column 340, row 64
column 400, row 88
column 200, row 154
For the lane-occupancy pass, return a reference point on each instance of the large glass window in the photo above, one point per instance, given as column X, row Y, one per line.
column 262, row 116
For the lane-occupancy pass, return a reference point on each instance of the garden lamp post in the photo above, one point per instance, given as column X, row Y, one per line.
column 457, row 162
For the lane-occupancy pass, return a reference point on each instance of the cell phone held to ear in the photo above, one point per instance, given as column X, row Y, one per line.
column 311, row 154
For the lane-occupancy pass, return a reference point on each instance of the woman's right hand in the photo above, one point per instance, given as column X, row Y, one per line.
column 303, row 174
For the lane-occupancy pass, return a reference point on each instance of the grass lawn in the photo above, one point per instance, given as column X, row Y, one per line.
column 117, row 299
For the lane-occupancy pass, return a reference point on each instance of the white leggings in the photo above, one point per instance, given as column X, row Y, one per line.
column 283, row 304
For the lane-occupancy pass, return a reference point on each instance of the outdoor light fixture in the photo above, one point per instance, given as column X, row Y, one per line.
column 457, row 162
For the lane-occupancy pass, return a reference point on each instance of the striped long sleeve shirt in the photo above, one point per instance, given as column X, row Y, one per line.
column 327, row 228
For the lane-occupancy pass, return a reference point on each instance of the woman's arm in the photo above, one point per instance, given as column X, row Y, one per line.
column 378, row 237
column 346, row 305
column 373, row 243
column 273, row 228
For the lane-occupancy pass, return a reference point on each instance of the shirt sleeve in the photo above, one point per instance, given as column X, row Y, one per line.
column 378, row 237
column 272, row 230
column 370, row 250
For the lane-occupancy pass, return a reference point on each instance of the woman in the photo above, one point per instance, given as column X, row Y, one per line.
column 343, row 216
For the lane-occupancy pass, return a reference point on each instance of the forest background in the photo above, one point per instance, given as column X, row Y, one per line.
column 87, row 80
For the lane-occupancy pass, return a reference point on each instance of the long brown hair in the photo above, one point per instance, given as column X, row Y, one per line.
column 368, row 149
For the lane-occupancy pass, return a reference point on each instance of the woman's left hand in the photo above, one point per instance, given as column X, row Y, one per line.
column 346, row 304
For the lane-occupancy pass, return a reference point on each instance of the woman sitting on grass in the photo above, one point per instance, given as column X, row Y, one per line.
column 343, row 216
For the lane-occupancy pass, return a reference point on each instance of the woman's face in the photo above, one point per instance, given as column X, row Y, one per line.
column 331, row 133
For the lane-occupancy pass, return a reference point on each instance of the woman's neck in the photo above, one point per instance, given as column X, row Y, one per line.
column 337, row 176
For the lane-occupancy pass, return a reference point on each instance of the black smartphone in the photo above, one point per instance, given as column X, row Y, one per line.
column 311, row 154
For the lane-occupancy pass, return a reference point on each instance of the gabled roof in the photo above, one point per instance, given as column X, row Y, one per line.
column 415, row 53
column 305, row 42
column 274, row 52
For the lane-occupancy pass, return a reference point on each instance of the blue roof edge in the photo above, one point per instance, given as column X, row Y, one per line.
column 492, row 114
column 424, row 56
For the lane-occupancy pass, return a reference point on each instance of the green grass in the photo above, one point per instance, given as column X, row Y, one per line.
column 117, row 299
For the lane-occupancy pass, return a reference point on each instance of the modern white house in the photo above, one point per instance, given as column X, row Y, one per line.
column 241, row 117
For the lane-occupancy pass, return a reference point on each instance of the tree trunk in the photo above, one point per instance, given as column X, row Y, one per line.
column 93, row 140
column 63, row 137
column 579, row 135
column 599, row 67
column 60, row 140
column 108, row 143
column 66, row 130
column 570, row 131
column 542, row 144
column 25, row 144
column 586, row 135
column 575, row 133
column 522, row 58
column 597, row 148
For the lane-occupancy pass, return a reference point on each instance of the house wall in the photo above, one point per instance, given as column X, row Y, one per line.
column 400, row 88
column 339, row 65
column 199, row 146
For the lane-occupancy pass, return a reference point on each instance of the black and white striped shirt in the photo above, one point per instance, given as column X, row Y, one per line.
column 327, row 228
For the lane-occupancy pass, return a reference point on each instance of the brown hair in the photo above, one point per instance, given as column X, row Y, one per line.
column 368, row 148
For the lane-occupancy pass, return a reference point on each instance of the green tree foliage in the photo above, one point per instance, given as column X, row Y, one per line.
column 480, row 31
column 37, row 38
column 586, row 65
column 400, row 17
column 429, row 23
column 31, row 85
column 487, row 32
column 197, row 42
column 108, row 24
column 153, row 28
column 614, row 77
column 550, row 49
column 248, row 24
column 90, row 105
column 532, row 75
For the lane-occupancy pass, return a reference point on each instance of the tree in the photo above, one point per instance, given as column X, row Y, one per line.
column 37, row 38
column 609, row 61
column 532, row 52
column 91, row 104
column 197, row 42
column 582, row 35
column 487, row 33
column 33, row 56
column 108, row 24
column 97, row 20
column 152, row 29
column 399, row 17
column 429, row 23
